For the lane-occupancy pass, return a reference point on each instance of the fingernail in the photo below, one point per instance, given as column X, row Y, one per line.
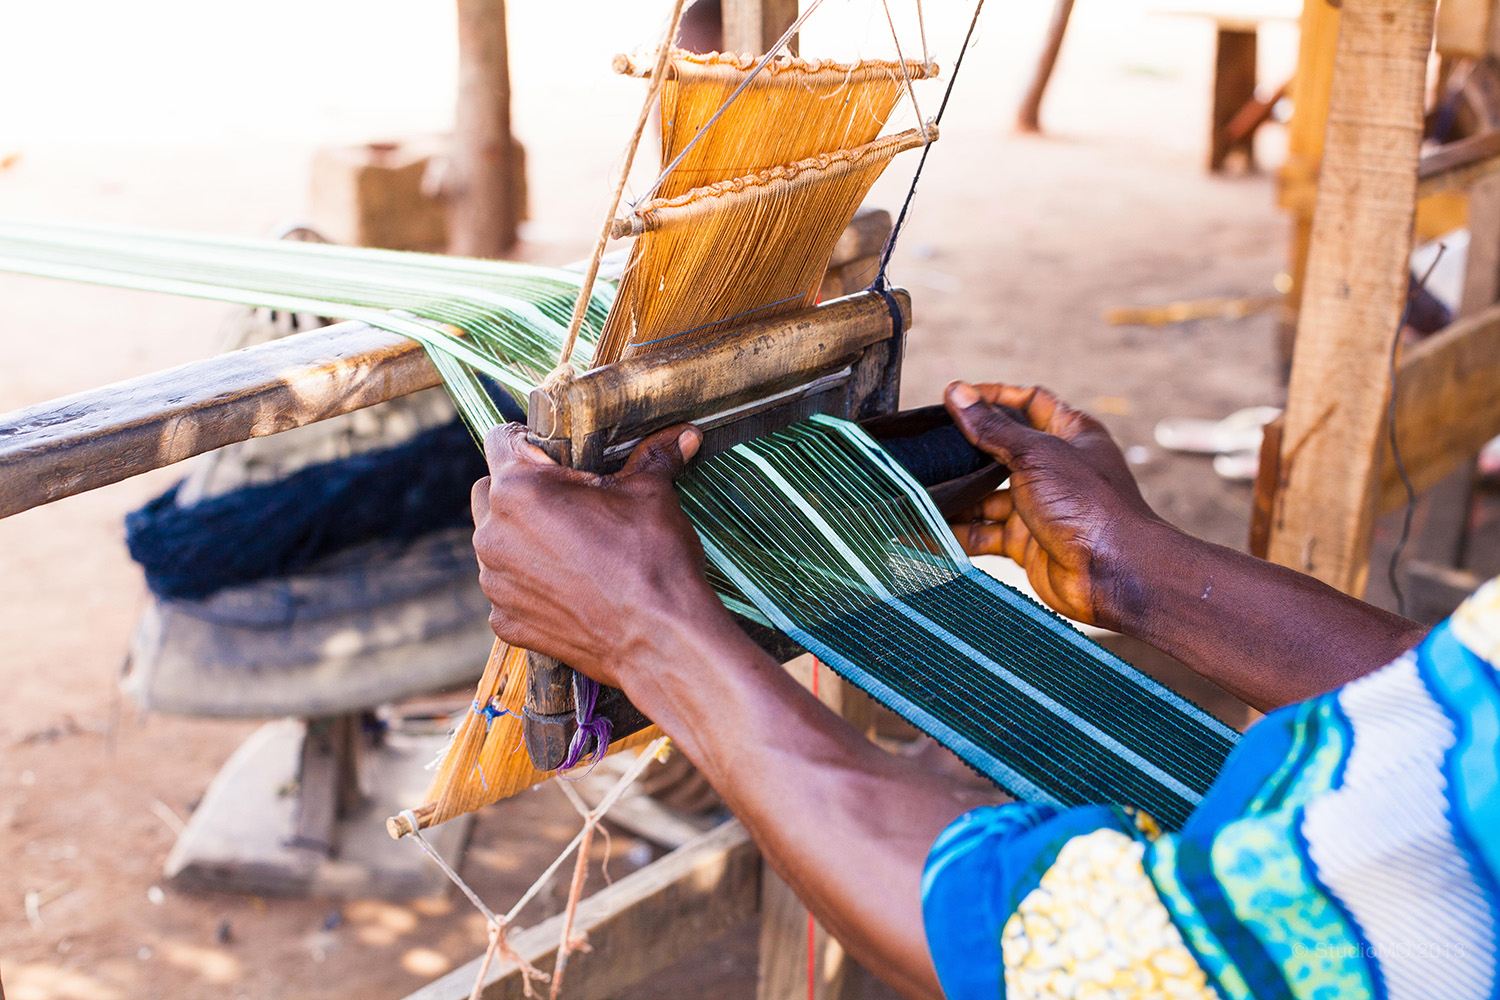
column 688, row 442
column 963, row 394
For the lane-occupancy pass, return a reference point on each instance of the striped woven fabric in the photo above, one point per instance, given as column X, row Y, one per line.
column 817, row 532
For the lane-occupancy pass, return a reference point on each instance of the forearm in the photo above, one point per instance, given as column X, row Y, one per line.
column 845, row 823
column 1263, row 632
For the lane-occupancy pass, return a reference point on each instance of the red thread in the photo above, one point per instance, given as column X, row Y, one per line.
column 812, row 926
column 812, row 979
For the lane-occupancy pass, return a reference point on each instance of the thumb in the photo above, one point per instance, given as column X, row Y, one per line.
column 664, row 453
column 507, row 445
column 988, row 426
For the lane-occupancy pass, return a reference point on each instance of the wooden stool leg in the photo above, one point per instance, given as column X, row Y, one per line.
column 1234, row 87
column 783, row 948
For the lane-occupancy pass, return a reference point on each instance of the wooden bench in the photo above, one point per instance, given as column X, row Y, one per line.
column 1237, row 112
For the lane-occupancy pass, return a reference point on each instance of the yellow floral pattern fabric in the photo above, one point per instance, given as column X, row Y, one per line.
column 1094, row 927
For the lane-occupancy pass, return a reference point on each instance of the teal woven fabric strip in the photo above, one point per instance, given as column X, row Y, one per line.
column 817, row 532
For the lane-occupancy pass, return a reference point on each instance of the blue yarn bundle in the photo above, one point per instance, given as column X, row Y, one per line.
column 275, row 529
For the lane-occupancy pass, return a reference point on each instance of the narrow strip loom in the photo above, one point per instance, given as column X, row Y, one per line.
column 812, row 530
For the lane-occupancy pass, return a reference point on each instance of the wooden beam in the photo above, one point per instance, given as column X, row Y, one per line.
column 1356, row 287
column 101, row 436
column 1447, row 405
column 634, row 927
column 1454, row 166
column 1297, row 180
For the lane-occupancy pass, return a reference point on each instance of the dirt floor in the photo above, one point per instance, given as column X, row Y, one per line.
column 206, row 121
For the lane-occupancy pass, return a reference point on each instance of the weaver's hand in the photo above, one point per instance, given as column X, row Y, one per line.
column 583, row 567
column 1072, row 512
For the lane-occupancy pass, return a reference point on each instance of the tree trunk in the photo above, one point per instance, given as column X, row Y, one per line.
column 1028, row 119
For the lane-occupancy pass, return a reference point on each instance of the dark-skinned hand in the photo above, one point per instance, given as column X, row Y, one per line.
column 1092, row 548
column 579, row 566
column 1072, row 508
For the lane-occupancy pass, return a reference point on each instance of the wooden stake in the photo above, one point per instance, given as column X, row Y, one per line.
column 1356, row 287
column 484, row 212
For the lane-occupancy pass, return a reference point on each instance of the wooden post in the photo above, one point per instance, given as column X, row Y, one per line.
column 1028, row 118
column 1298, row 178
column 1234, row 87
column 483, row 208
column 1356, row 287
column 754, row 25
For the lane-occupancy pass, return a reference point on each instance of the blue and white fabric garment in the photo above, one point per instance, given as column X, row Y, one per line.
column 1350, row 848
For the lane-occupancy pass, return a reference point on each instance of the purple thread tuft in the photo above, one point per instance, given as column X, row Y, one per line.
column 591, row 739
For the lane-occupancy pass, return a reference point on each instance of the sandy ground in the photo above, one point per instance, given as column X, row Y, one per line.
column 177, row 114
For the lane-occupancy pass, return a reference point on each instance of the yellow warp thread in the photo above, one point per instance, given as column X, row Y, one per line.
column 739, row 250
column 794, row 109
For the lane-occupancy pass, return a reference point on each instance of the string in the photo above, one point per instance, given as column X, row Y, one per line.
column 922, row 30
column 882, row 283
column 905, row 76
column 489, row 711
column 1390, row 426
column 765, row 61
column 591, row 738
column 498, row 925
column 592, row 271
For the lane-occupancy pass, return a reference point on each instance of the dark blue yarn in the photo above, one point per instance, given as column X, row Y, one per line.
column 276, row 529
column 937, row 455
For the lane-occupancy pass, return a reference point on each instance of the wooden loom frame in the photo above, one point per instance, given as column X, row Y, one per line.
column 1326, row 472
column 642, row 922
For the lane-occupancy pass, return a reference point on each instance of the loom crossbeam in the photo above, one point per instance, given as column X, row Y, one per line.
column 729, row 385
